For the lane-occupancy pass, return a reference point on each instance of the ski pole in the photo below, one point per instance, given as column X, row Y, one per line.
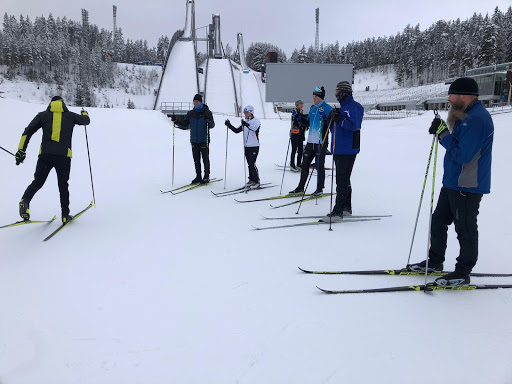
column 173, row 131
column 284, row 166
column 90, row 168
column 226, row 161
column 332, row 174
column 10, row 153
column 431, row 208
column 245, row 143
column 421, row 199
column 305, row 189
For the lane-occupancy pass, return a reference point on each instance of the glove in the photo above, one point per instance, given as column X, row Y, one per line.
column 335, row 115
column 245, row 123
column 173, row 117
column 84, row 112
column 20, row 156
column 321, row 112
column 438, row 126
column 228, row 124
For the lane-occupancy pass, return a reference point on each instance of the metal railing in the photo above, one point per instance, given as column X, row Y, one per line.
column 176, row 107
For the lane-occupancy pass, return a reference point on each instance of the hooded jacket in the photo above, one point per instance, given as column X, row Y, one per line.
column 199, row 120
column 467, row 162
column 57, row 123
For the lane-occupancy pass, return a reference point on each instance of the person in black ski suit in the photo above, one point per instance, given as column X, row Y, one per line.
column 300, row 124
column 55, row 152
column 199, row 120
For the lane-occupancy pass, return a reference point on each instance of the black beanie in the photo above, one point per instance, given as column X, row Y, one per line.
column 198, row 97
column 55, row 98
column 464, row 86
column 320, row 93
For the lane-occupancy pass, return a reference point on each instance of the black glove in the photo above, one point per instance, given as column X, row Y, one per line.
column 20, row 156
column 438, row 126
column 84, row 113
column 245, row 123
column 228, row 124
column 336, row 116
column 173, row 117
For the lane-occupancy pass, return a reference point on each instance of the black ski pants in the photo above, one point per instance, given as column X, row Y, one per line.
column 460, row 208
column 310, row 153
column 201, row 150
column 297, row 142
column 344, row 165
column 251, row 154
column 45, row 164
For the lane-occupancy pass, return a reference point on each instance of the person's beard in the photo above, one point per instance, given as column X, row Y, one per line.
column 456, row 113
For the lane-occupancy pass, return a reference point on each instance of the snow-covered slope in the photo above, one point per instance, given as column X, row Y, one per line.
column 251, row 92
column 131, row 82
column 220, row 92
column 377, row 78
column 179, row 82
column 152, row 288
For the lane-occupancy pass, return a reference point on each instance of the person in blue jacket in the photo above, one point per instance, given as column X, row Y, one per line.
column 199, row 120
column 318, row 141
column 346, row 134
column 467, row 137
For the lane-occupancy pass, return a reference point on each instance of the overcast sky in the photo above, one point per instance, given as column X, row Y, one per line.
column 287, row 23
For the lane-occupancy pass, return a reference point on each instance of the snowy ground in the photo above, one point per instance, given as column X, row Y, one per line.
column 151, row 288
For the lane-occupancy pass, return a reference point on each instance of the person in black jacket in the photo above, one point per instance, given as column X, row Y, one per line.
column 300, row 124
column 55, row 152
column 199, row 120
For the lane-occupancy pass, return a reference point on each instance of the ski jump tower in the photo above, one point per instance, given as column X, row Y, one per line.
column 217, row 43
column 241, row 52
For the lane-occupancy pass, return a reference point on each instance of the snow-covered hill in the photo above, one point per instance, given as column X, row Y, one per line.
column 152, row 288
column 132, row 82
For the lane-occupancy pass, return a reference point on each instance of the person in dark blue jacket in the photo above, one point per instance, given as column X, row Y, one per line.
column 467, row 137
column 199, row 120
column 345, row 146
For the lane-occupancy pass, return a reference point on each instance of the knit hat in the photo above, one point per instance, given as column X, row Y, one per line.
column 249, row 108
column 298, row 102
column 320, row 92
column 464, row 86
column 343, row 87
column 198, row 97
column 55, row 98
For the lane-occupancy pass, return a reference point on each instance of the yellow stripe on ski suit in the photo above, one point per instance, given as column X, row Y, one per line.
column 56, row 108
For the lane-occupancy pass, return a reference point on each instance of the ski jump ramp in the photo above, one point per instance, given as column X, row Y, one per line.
column 220, row 91
column 250, row 93
column 179, row 81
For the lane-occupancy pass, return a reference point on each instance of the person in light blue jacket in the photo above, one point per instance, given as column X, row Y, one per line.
column 318, row 141
column 467, row 137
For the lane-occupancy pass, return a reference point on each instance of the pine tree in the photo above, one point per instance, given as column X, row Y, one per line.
column 487, row 55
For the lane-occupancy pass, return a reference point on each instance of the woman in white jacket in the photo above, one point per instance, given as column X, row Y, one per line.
column 251, row 127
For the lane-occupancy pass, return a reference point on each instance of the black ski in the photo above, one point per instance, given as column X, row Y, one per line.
column 23, row 222
column 310, row 167
column 290, row 195
column 309, row 198
column 319, row 217
column 247, row 190
column 69, row 222
column 314, row 223
column 418, row 288
column 195, row 186
column 398, row 272
column 238, row 190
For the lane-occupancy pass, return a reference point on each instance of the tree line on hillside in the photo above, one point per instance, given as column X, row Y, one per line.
column 445, row 49
column 59, row 50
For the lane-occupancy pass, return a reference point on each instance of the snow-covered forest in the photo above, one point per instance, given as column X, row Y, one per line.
column 63, row 52
column 445, row 49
